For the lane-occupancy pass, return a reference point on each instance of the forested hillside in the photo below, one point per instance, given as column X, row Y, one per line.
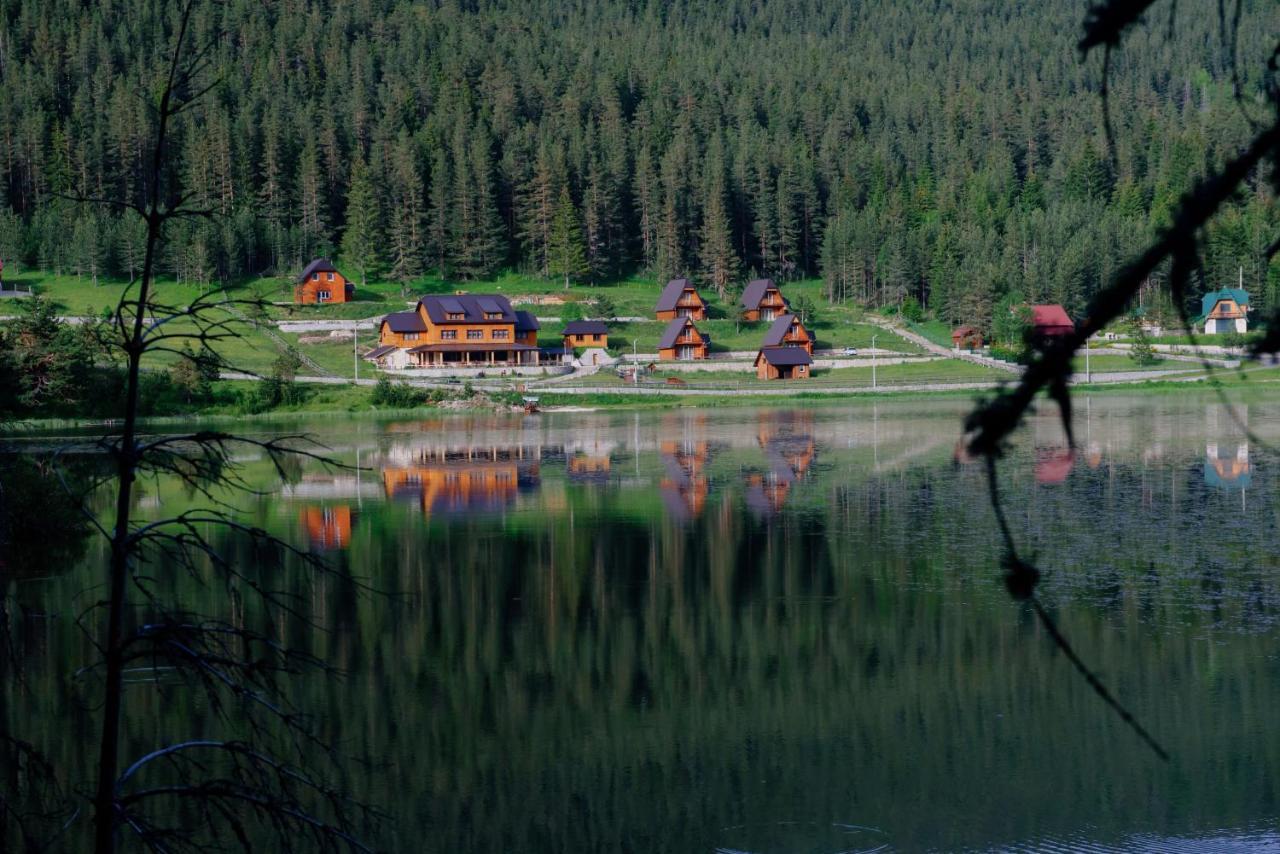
column 950, row 151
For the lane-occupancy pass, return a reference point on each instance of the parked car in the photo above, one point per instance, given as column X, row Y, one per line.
column 850, row 351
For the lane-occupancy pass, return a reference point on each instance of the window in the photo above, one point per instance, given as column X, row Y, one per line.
column 315, row 277
column 411, row 336
column 475, row 334
column 456, row 315
column 331, row 277
column 448, row 335
column 493, row 315
column 323, row 295
column 501, row 334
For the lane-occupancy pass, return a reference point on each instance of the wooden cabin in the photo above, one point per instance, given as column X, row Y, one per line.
column 681, row 299
column 761, row 300
column 322, row 284
column 464, row 330
column 788, row 331
column 681, row 341
column 585, row 333
column 1050, row 321
column 966, row 338
column 1225, row 311
column 783, row 363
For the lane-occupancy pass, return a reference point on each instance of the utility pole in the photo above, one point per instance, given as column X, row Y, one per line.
column 355, row 351
column 873, row 362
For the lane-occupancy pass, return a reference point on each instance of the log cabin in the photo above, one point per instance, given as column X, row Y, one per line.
column 783, row 363
column 966, row 338
column 585, row 333
column 464, row 330
column 681, row 341
column 761, row 300
column 681, row 299
column 788, row 331
column 1225, row 311
column 322, row 284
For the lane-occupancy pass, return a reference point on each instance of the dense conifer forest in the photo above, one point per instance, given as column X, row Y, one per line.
column 950, row 152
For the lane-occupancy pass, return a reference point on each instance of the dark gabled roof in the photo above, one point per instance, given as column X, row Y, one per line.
column 778, row 331
column 785, row 357
column 472, row 306
column 671, row 294
column 405, row 321
column 526, row 322
column 586, row 327
column 672, row 332
column 755, row 292
column 378, row 352
column 320, row 265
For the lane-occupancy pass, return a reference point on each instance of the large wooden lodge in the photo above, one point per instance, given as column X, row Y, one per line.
column 459, row 331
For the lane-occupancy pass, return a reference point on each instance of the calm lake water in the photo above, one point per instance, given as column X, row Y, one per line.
column 762, row 630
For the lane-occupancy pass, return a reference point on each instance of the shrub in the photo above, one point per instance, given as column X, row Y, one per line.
column 395, row 395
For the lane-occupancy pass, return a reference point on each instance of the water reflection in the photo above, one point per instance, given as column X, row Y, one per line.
column 460, row 479
column 774, row 630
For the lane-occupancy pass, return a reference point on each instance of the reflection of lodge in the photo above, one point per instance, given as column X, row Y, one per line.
column 460, row 480
column 589, row 461
column 327, row 527
column 787, row 441
column 685, row 488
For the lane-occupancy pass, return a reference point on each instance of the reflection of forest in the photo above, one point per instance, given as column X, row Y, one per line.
column 590, row 677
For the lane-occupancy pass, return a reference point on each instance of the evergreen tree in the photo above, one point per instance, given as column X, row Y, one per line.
column 360, row 237
column 568, row 258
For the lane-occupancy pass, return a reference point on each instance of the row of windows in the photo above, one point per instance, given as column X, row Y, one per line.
column 315, row 277
column 475, row 334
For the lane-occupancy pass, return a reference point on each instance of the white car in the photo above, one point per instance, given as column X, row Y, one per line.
column 850, row 351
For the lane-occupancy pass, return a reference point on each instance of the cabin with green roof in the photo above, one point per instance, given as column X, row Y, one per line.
column 1225, row 310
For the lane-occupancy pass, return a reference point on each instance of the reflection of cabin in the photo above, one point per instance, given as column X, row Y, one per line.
column 1053, row 465
column 1050, row 321
column 585, row 333
column 685, row 488
column 321, row 283
column 789, row 449
column 966, row 338
column 445, row 481
column 783, row 363
column 761, row 300
column 327, row 527
column 681, row 299
column 464, row 330
column 1225, row 469
column 682, row 341
column 1225, row 311
column 589, row 460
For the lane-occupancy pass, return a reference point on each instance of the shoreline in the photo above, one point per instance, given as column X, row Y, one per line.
column 609, row 399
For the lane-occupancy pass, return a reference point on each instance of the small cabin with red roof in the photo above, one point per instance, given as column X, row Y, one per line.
column 322, row 284
column 1050, row 321
column 966, row 338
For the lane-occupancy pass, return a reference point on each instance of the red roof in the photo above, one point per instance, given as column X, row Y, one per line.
column 1051, row 318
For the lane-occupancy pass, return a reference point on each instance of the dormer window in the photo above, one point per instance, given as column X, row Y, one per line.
column 493, row 315
column 456, row 315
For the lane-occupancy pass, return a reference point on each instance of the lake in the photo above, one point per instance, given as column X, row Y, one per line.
column 754, row 630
